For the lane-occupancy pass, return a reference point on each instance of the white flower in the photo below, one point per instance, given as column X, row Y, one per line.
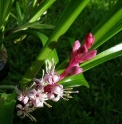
column 55, row 92
column 22, row 95
column 51, row 77
column 25, row 111
column 37, row 97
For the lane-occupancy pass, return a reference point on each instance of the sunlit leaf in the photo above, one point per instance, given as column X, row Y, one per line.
column 74, row 81
column 6, row 110
column 53, row 54
column 68, row 17
column 35, row 25
column 109, row 25
column 103, row 57
column 40, row 10
column 19, row 13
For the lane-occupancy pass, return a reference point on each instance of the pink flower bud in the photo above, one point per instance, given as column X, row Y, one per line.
column 48, row 88
column 88, row 56
column 89, row 40
column 75, row 70
column 82, row 50
column 75, row 48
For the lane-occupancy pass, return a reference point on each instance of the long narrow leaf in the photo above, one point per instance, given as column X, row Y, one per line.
column 53, row 54
column 102, row 30
column 19, row 13
column 36, row 25
column 41, row 9
column 68, row 17
column 110, row 25
column 103, row 57
column 6, row 110
column 74, row 81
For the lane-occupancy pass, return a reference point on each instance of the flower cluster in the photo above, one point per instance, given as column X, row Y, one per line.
column 47, row 87
column 79, row 55
column 43, row 89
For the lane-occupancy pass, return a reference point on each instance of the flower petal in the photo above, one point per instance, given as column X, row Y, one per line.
column 89, row 40
column 75, row 70
column 88, row 56
column 76, row 46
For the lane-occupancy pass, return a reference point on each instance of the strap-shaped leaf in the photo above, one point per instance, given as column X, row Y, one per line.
column 35, row 25
column 68, row 17
column 53, row 54
column 6, row 110
column 74, row 81
column 109, row 25
column 19, row 13
column 40, row 10
column 5, row 8
column 103, row 57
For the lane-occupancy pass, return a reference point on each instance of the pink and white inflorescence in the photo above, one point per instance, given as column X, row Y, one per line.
column 47, row 87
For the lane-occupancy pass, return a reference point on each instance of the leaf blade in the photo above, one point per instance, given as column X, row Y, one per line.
column 103, row 57
column 74, row 81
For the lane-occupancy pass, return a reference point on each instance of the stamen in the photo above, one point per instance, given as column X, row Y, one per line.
column 71, row 91
column 31, row 117
column 47, row 104
column 32, row 85
column 69, row 97
column 65, row 99
column 69, row 88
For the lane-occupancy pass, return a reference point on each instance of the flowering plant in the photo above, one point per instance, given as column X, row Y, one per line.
column 48, row 86
column 54, row 83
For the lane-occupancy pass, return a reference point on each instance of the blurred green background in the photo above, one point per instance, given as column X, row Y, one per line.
column 102, row 102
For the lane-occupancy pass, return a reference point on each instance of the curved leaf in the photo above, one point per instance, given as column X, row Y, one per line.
column 109, row 25
column 40, row 9
column 6, row 110
column 68, row 17
column 103, row 57
column 74, row 81
column 35, row 25
column 53, row 54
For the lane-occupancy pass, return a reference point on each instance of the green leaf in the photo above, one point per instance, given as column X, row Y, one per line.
column 6, row 110
column 5, row 8
column 74, row 81
column 68, row 17
column 19, row 13
column 35, row 25
column 43, row 38
column 40, row 10
column 71, row 40
column 42, row 26
column 109, row 25
column 106, row 55
column 53, row 54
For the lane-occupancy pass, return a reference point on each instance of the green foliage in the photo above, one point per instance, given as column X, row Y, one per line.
column 5, row 8
column 74, row 81
column 97, row 105
column 65, row 21
column 109, row 25
column 103, row 57
column 6, row 110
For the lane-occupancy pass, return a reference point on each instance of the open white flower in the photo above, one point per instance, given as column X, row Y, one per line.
column 37, row 97
column 25, row 111
column 51, row 77
column 22, row 95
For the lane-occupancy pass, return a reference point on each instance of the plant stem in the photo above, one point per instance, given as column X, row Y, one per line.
column 68, row 17
column 7, row 87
